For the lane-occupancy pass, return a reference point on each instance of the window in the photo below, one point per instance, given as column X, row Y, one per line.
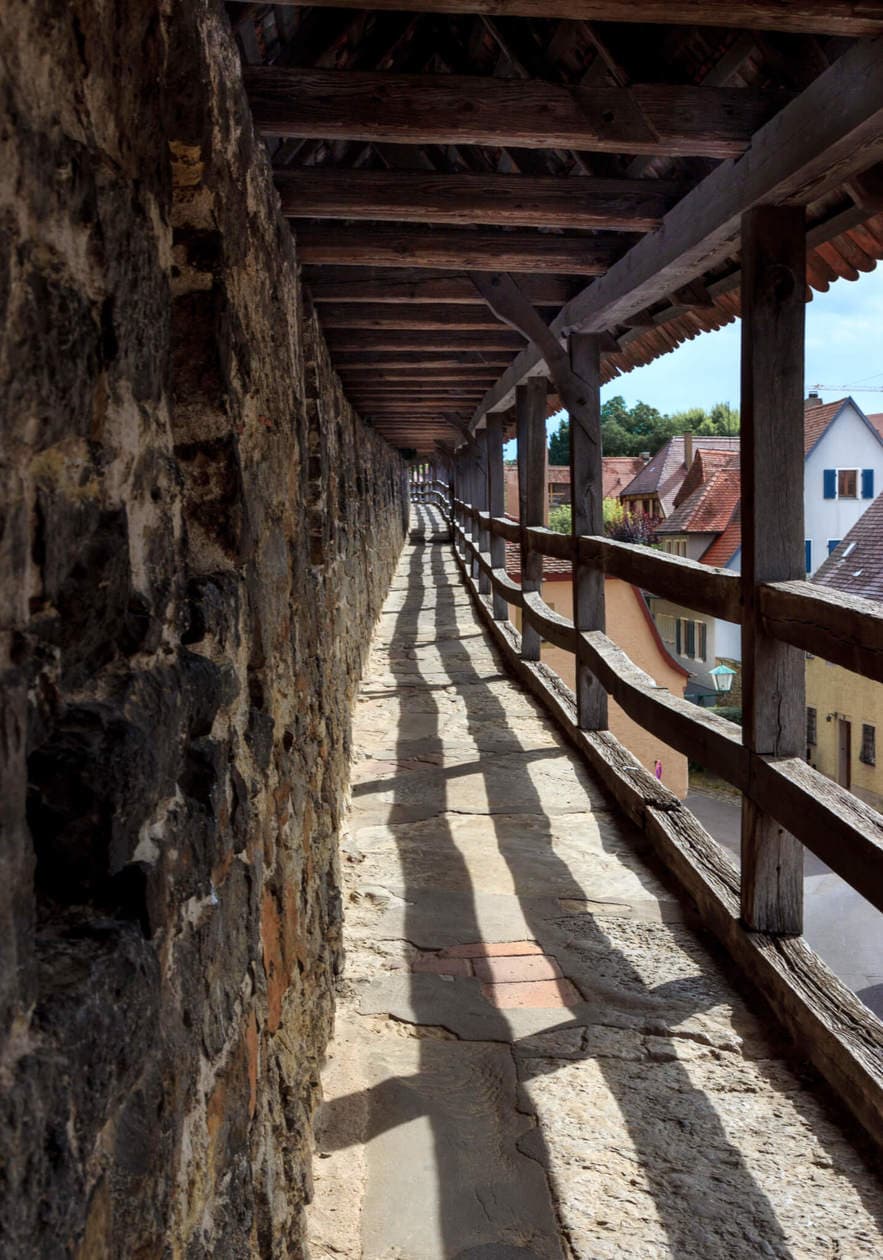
column 691, row 639
column 868, row 753
column 833, row 544
column 666, row 625
column 847, row 483
column 843, row 483
column 807, row 555
column 811, row 732
column 702, row 640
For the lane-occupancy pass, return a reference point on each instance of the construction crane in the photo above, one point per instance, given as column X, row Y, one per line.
column 850, row 389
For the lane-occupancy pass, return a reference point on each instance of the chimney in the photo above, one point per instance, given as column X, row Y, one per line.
column 688, row 449
column 813, row 399
column 645, row 456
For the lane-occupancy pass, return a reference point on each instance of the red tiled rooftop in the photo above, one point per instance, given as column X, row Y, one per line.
column 856, row 565
column 709, row 508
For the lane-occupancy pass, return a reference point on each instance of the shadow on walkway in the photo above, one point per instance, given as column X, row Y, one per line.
column 675, row 1181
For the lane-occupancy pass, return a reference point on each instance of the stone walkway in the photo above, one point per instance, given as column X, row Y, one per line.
column 537, row 1055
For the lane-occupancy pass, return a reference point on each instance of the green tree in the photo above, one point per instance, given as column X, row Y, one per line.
column 559, row 444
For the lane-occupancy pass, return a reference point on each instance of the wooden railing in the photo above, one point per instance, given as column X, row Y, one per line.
column 842, row 830
column 831, row 1025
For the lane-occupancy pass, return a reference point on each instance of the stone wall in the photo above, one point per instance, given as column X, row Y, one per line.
column 196, row 533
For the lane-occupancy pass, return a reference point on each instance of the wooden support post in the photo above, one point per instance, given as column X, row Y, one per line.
column 586, row 484
column 530, row 404
column 481, row 500
column 772, row 457
column 471, row 523
column 496, row 502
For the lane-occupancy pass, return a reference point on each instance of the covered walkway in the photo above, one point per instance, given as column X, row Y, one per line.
column 538, row 1053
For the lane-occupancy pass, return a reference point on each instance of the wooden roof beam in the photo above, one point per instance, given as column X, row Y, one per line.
column 653, row 119
column 418, row 339
column 469, row 250
column 542, row 290
column 832, row 131
column 502, row 200
column 822, row 17
column 406, row 315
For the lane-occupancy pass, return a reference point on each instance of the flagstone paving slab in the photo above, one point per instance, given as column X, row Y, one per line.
column 538, row 1055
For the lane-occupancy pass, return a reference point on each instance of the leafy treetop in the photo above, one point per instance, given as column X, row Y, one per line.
column 632, row 430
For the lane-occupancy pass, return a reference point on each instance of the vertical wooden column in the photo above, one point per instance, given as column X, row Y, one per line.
column 587, row 498
column 530, row 410
column 773, row 288
column 496, row 503
column 481, row 496
column 472, row 523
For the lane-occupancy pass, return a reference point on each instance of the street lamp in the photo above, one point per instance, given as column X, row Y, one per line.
column 722, row 677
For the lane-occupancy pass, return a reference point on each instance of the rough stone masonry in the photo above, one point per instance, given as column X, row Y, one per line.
column 196, row 533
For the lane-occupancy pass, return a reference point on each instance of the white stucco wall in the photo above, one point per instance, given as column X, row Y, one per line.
column 848, row 443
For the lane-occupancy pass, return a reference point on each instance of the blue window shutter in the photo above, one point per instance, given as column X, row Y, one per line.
column 867, row 483
column 833, row 544
column 807, row 555
column 829, row 483
column 678, row 636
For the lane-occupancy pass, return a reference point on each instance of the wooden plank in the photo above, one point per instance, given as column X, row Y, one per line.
column 531, row 446
column 409, row 360
column 587, row 499
column 823, row 17
column 405, row 375
column 496, row 505
column 717, row 592
column 771, row 456
column 450, row 109
column 450, row 288
column 508, row 530
column 504, row 200
column 841, row 628
column 547, row 623
column 472, row 250
column 406, row 315
column 831, row 131
column 415, row 339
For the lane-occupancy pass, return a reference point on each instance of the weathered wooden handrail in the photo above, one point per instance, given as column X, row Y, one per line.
column 839, row 627
column 836, row 826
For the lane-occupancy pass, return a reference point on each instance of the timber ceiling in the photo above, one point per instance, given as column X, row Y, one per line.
column 413, row 150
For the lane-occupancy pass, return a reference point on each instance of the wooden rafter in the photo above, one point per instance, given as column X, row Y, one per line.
column 833, row 17
column 460, row 248
column 407, row 315
column 453, row 109
column 390, row 286
column 831, row 131
column 502, row 200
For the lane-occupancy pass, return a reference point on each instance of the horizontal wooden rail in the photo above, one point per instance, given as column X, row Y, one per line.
column 551, row 625
column 698, row 586
column 841, row 1035
column 842, row 628
column 837, row 827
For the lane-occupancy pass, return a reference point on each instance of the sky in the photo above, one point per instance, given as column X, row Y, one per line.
column 844, row 348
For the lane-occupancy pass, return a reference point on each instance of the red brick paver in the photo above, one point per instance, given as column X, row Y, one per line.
column 516, row 970
column 494, row 949
column 541, row 993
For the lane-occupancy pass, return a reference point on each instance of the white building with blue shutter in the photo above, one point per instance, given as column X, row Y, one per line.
column 842, row 473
